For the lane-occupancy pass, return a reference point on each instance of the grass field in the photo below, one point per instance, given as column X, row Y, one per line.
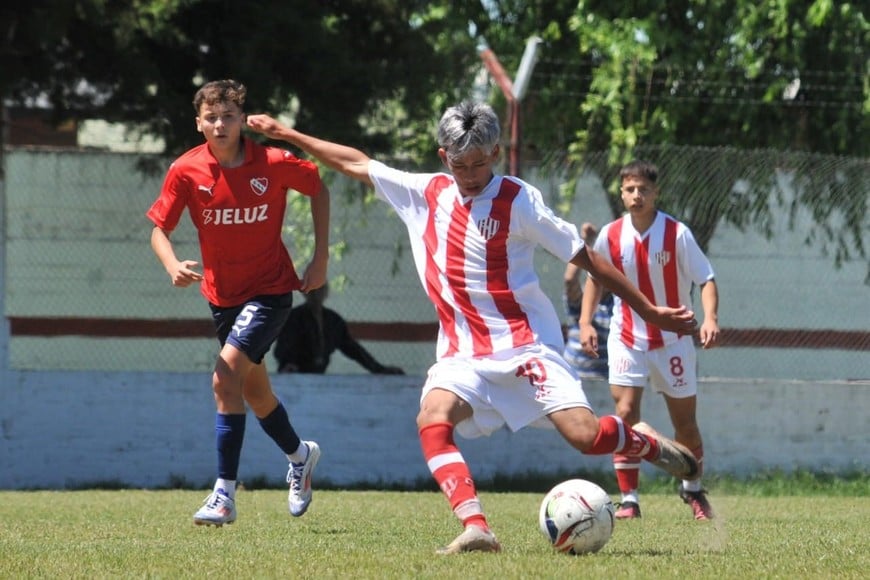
column 393, row 534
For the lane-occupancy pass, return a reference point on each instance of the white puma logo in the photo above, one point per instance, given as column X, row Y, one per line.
column 208, row 190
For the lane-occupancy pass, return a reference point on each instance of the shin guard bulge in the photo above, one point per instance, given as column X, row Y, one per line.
column 449, row 469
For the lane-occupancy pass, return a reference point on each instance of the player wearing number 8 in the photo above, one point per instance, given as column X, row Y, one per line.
column 661, row 257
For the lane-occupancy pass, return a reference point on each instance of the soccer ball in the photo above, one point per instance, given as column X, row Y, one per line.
column 577, row 517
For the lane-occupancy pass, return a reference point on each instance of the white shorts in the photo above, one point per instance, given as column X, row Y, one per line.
column 670, row 369
column 518, row 388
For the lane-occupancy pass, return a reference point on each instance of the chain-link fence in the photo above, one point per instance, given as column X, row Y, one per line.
column 787, row 234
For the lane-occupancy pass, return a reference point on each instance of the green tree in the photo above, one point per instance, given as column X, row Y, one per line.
column 614, row 77
column 745, row 74
column 736, row 75
column 337, row 64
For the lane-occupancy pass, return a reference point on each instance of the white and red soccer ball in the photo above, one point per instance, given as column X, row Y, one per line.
column 577, row 517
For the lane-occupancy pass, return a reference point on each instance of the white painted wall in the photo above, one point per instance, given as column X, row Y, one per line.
column 69, row 429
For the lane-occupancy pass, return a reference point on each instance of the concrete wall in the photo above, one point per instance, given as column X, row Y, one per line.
column 67, row 429
column 77, row 246
column 63, row 428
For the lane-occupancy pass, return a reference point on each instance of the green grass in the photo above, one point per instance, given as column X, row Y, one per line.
column 801, row 482
column 393, row 534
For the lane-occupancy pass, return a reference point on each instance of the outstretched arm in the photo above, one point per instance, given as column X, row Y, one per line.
column 352, row 162
column 352, row 349
column 674, row 319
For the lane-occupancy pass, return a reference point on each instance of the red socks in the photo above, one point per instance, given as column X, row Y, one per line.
column 614, row 436
column 449, row 469
column 627, row 472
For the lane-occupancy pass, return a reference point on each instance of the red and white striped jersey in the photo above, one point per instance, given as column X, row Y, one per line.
column 475, row 258
column 663, row 262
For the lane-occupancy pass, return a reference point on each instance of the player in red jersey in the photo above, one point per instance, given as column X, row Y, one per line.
column 499, row 356
column 235, row 191
column 661, row 257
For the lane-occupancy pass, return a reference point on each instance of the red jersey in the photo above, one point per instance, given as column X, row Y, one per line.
column 239, row 214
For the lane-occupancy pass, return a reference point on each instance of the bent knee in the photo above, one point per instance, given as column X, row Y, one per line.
column 582, row 440
column 441, row 406
column 429, row 415
column 578, row 426
column 224, row 390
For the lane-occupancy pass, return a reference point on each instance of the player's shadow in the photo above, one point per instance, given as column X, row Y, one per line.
column 648, row 552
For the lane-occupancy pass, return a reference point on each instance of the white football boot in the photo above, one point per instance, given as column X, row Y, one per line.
column 217, row 509
column 299, row 478
column 673, row 457
column 473, row 539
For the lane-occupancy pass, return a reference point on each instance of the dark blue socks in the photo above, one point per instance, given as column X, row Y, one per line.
column 277, row 426
column 230, row 433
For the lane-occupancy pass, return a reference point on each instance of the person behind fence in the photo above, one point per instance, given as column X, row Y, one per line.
column 660, row 255
column 588, row 367
column 499, row 350
column 313, row 332
column 235, row 192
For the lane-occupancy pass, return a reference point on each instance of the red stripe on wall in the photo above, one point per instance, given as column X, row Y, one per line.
column 784, row 338
column 112, row 327
column 32, row 326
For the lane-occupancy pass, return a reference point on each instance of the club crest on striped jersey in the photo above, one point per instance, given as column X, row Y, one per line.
column 259, row 185
column 662, row 258
column 488, row 227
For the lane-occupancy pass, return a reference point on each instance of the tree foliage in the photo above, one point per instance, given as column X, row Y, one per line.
column 765, row 75
column 769, row 75
column 337, row 64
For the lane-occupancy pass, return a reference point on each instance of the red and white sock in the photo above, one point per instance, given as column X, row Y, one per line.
column 627, row 474
column 614, row 436
column 449, row 469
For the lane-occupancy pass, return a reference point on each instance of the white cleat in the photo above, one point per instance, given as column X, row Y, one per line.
column 473, row 539
column 299, row 478
column 217, row 509
column 675, row 458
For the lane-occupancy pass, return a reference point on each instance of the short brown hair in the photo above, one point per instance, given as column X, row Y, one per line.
column 225, row 91
column 639, row 168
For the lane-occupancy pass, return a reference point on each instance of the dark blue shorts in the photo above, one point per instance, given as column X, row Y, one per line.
column 252, row 327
